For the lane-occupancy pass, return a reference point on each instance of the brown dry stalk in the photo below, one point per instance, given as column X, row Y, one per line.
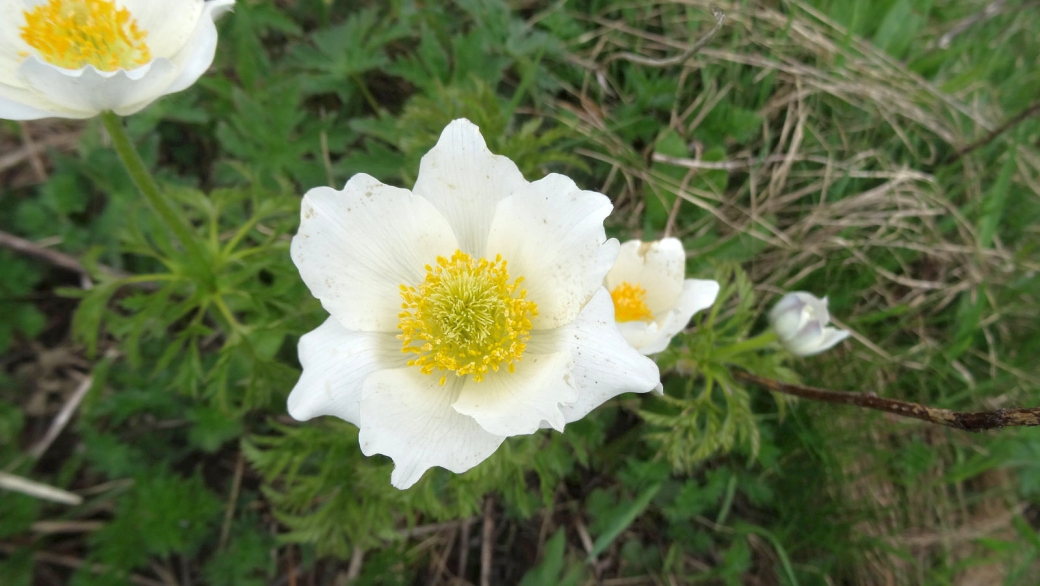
column 967, row 421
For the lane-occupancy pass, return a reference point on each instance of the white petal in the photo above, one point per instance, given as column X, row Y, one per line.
column 335, row 363
column 696, row 295
column 829, row 338
column 639, row 334
column 551, row 233
column 516, row 403
column 605, row 365
column 658, row 266
column 407, row 416
column 197, row 54
column 89, row 91
column 356, row 247
column 808, row 340
column 15, row 105
column 465, row 181
column 169, row 25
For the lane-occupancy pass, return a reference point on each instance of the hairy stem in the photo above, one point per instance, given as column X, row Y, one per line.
column 148, row 187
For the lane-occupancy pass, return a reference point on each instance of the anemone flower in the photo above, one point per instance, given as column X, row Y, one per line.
column 78, row 58
column 465, row 311
column 800, row 321
column 652, row 300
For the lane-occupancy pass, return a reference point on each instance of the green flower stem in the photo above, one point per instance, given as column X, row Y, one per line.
column 148, row 187
column 749, row 345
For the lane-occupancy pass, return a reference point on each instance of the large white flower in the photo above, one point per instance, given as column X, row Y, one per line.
column 464, row 311
column 77, row 58
column 652, row 301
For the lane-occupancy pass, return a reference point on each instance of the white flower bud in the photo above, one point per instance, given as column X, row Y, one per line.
column 800, row 319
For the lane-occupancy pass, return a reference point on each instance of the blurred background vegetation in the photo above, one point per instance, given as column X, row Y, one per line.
column 854, row 149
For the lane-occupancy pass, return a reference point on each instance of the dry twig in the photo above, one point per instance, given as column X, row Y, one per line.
column 75, row 563
column 487, row 542
column 61, row 419
column 38, row 490
column 967, row 421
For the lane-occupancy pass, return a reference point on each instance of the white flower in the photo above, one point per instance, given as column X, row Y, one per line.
column 800, row 319
column 77, row 58
column 465, row 311
column 652, row 302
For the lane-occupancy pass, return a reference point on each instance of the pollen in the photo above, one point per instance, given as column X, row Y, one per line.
column 466, row 318
column 74, row 33
column 630, row 303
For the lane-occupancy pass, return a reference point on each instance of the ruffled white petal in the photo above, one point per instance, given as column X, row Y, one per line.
column 605, row 365
column 356, row 247
column 14, row 105
column 169, row 24
column 88, row 91
column 336, row 361
column 465, row 181
column 658, row 266
column 696, row 295
column 516, row 403
column 551, row 233
column 195, row 56
column 407, row 416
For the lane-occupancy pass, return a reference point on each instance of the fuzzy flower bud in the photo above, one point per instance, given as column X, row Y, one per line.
column 800, row 319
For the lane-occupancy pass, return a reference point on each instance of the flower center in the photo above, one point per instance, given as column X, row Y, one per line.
column 74, row 33
column 466, row 317
column 630, row 303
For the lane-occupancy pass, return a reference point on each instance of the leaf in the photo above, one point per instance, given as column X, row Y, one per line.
column 86, row 322
column 995, row 201
column 624, row 517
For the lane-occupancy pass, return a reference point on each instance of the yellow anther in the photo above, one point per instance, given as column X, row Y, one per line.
column 630, row 303
column 74, row 33
column 466, row 317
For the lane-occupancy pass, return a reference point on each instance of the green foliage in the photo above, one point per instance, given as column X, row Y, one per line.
column 246, row 561
column 695, row 420
column 162, row 514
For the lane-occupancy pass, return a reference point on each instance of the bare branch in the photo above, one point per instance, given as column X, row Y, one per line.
column 967, row 421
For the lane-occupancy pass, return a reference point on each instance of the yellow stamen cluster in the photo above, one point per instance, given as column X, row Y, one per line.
column 74, row 33
column 630, row 303
column 465, row 318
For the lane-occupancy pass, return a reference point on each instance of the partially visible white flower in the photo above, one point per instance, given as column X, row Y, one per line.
column 78, row 58
column 652, row 301
column 800, row 321
column 465, row 311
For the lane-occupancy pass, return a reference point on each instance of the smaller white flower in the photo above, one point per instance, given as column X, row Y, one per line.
column 652, row 301
column 78, row 58
column 800, row 319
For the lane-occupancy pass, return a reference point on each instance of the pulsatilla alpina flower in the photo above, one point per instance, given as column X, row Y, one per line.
column 652, row 301
column 800, row 321
column 77, row 58
column 465, row 311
